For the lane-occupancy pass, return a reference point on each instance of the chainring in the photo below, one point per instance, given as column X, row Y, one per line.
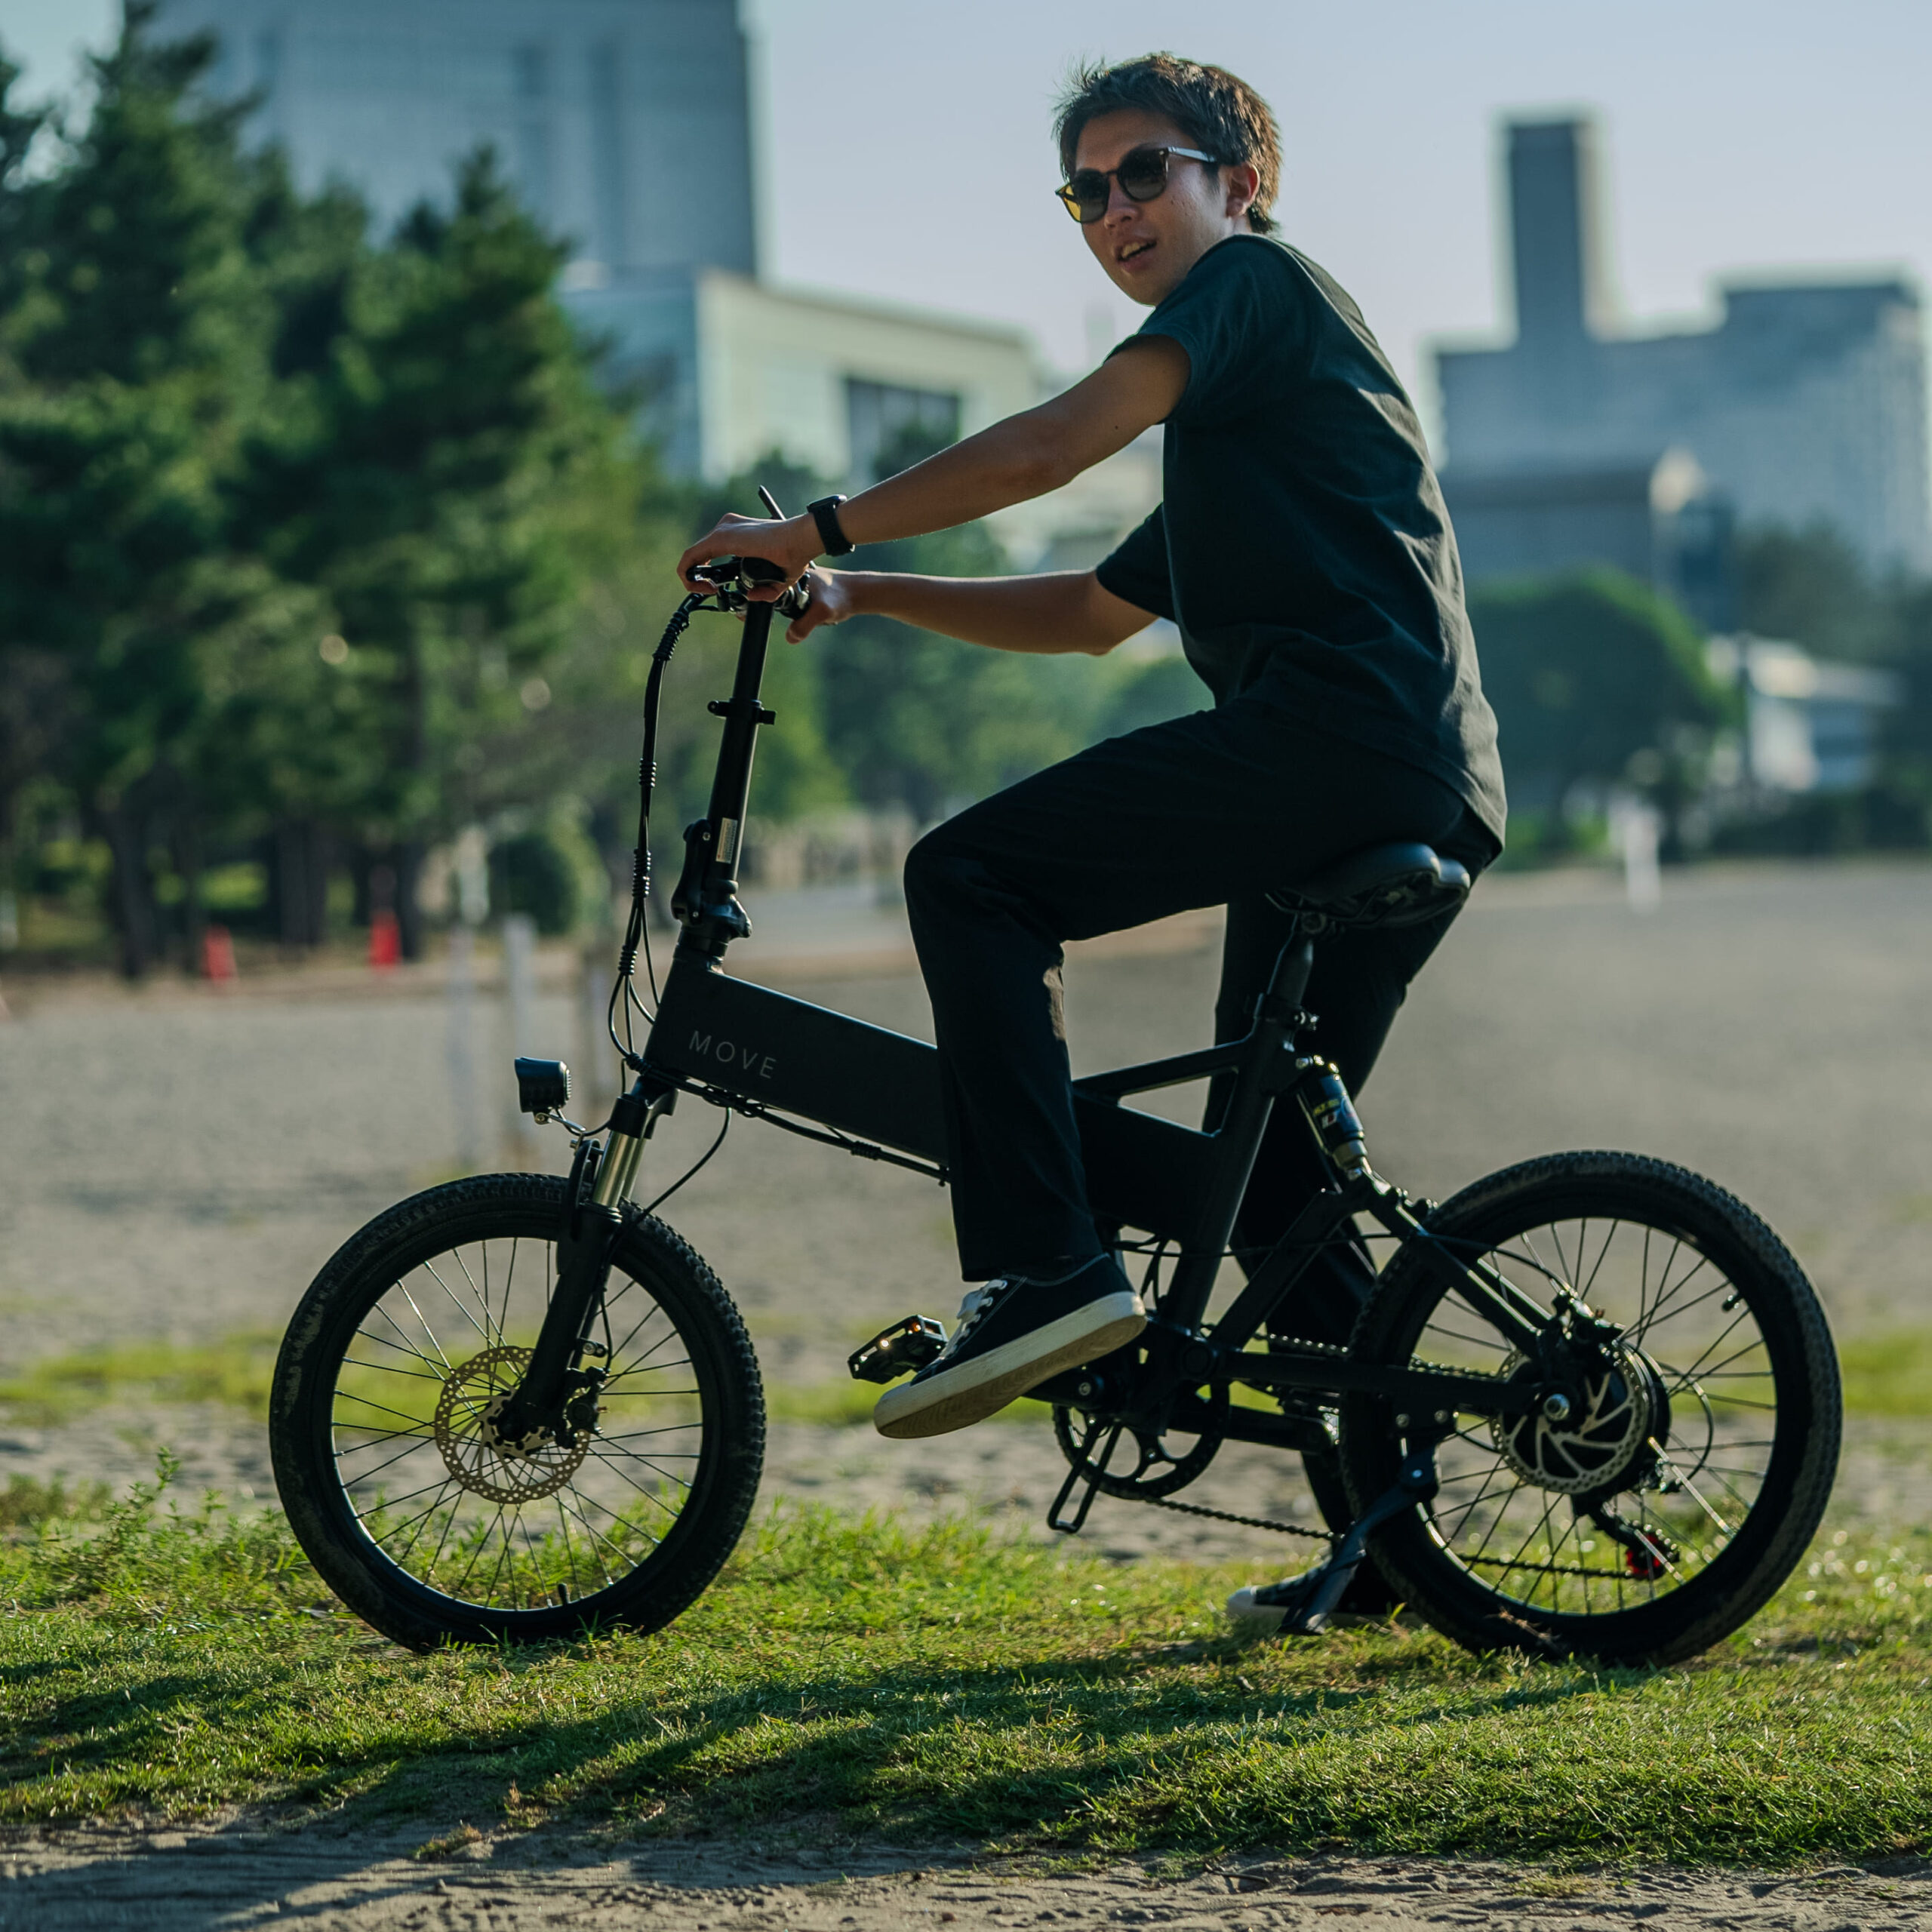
column 1157, row 1471
column 486, row 1464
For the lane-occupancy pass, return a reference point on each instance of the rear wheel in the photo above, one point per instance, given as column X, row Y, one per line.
column 395, row 1484
column 1688, row 1479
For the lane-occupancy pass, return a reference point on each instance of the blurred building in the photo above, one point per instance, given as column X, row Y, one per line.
column 626, row 125
column 1659, row 521
column 1810, row 725
column 1806, row 403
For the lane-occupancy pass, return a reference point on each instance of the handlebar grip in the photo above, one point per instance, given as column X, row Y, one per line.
column 758, row 569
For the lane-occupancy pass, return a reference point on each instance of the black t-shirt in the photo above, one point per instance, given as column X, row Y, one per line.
column 1302, row 544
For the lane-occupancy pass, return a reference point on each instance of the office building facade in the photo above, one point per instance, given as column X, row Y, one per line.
column 624, row 123
column 626, row 127
column 1806, row 403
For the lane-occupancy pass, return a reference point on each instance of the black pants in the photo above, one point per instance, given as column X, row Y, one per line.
column 1211, row 809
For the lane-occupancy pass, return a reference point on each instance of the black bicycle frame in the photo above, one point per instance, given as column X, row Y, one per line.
column 877, row 1093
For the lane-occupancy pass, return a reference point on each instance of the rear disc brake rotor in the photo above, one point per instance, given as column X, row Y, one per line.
column 1591, row 1449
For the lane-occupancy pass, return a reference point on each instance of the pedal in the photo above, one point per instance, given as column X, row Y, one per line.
column 905, row 1347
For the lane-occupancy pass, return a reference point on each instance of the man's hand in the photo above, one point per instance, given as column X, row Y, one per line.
column 833, row 601
column 791, row 544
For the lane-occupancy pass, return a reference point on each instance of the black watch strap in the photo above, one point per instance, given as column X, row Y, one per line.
column 825, row 514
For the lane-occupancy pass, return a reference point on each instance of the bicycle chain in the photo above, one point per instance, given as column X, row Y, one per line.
column 1328, row 1537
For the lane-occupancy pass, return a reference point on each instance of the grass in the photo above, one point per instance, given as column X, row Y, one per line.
column 236, row 1370
column 941, row 1684
column 1888, row 1374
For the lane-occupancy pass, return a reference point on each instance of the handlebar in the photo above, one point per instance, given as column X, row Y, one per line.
column 731, row 577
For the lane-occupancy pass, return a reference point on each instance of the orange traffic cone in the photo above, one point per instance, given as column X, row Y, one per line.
column 218, row 955
column 385, row 939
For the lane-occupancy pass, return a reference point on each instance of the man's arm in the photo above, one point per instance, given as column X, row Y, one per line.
column 1058, row 611
column 1013, row 461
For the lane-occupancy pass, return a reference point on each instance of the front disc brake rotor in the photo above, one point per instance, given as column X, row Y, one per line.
column 488, row 1464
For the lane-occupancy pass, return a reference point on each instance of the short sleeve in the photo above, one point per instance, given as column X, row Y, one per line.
column 1242, row 314
column 1137, row 572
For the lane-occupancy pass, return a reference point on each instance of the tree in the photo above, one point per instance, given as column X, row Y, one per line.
column 429, row 480
column 1594, row 677
column 1810, row 587
column 132, row 332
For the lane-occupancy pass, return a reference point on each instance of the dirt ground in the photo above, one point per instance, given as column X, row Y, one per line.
column 241, row 1875
column 175, row 1166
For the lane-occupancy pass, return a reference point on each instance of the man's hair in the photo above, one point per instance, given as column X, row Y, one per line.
column 1216, row 110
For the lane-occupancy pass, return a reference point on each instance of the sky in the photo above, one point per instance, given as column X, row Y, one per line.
column 904, row 151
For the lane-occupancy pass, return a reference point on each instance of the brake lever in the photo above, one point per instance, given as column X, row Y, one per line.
column 731, row 577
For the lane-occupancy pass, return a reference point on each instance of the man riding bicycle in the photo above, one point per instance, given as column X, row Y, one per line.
column 1302, row 549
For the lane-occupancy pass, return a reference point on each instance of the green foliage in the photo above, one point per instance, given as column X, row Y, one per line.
column 944, row 1684
column 297, row 525
column 530, row 874
column 1809, row 587
column 1595, row 677
column 921, row 721
column 1152, row 694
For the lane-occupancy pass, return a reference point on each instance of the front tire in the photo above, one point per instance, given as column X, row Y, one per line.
column 392, row 1480
column 1667, row 1511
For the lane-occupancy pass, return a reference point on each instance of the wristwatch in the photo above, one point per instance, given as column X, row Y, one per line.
column 825, row 514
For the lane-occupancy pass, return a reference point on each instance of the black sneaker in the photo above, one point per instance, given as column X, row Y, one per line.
column 1013, row 1335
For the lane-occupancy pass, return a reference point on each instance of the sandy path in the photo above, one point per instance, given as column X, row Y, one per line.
column 177, row 1166
column 169, row 1882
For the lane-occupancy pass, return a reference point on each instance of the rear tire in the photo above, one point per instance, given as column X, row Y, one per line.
column 1728, row 1420
column 434, row 1534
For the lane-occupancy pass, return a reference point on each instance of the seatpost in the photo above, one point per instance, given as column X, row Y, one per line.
column 706, row 899
column 1242, row 1112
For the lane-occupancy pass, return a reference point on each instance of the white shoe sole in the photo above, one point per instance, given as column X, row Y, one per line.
column 1257, row 1617
column 984, row 1385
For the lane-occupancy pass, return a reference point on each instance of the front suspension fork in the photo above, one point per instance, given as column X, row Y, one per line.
column 592, row 1229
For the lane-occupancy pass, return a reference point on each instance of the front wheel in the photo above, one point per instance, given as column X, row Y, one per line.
column 427, row 1525
column 1669, row 1499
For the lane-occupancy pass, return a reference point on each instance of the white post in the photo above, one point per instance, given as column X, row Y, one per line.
column 591, row 1070
column 463, row 1048
column 520, row 995
column 1635, row 830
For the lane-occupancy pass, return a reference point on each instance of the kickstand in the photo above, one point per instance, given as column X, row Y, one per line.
column 1054, row 1519
column 1309, row 1600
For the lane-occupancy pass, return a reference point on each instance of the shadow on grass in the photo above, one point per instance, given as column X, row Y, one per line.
column 1034, row 1752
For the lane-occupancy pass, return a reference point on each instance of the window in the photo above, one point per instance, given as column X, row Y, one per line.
column 891, row 428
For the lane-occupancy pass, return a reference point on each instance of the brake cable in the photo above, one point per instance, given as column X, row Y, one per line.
column 636, row 931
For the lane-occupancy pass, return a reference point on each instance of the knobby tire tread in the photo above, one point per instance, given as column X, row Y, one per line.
column 666, row 1582
column 1782, row 1522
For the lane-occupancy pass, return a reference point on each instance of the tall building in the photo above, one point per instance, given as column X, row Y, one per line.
column 626, row 124
column 1806, row 403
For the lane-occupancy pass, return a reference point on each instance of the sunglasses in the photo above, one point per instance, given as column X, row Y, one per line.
column 1143, row 176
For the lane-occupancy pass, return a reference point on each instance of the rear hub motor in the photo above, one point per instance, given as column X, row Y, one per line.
column 1596, row 1438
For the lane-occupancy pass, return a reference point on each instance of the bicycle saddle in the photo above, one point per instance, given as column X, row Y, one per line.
column 1383, row 885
